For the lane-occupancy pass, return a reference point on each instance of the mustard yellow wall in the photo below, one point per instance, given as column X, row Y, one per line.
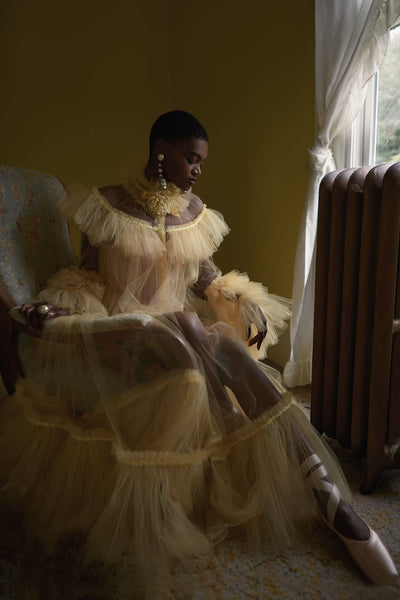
column 83, row 81
column 247, row 70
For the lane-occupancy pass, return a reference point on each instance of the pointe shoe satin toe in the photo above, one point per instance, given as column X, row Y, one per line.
column 370, row 555
column 372, row 558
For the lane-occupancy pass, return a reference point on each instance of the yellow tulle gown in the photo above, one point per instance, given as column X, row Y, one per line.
column 122, row 428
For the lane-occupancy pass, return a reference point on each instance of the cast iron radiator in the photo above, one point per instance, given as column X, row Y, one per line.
column 355, row 394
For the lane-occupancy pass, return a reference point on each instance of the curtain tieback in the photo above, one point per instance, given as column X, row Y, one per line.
column 320, row 159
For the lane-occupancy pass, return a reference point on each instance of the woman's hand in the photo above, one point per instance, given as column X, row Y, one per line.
column 261, row 333
column 37, row 313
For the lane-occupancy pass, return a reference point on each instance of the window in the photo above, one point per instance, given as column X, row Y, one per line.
column 374, row 136
column 388, row 101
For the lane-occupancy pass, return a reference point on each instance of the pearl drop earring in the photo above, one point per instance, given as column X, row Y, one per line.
column 162, row 184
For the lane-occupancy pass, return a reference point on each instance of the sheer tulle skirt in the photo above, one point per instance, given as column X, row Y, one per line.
column 125, row 431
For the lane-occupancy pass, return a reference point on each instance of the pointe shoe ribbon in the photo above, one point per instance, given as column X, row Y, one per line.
column 312, row 467
column 370, row 555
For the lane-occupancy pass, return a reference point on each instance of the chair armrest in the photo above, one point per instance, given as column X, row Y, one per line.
column 19, row 324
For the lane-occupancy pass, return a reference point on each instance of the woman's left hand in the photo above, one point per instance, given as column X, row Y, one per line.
column 261, row 333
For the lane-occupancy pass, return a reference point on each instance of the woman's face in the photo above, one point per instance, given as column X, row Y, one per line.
column 183, row 161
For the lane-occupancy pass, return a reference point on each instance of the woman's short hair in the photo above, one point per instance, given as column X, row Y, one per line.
column 177, row 124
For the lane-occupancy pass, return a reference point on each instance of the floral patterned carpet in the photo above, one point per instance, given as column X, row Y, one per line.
column 318, row 568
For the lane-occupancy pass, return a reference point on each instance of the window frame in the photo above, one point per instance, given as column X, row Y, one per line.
column 356, row 145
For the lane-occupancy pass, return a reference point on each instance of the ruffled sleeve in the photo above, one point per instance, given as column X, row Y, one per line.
column 75, row 289
column 198, row 239
column 234, row 300
column 103, row 224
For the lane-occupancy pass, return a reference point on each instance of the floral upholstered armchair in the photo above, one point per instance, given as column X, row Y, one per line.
column 34, row 243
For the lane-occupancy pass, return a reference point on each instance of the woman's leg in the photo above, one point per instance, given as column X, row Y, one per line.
column 226, row 363
column 253, row 390
column 256, row 394
column 204, row 346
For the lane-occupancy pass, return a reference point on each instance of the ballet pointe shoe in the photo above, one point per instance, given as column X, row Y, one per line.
column 370, row 554
column 373, row 558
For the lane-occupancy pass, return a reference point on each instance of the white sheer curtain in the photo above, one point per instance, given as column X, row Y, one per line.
column 351, row 38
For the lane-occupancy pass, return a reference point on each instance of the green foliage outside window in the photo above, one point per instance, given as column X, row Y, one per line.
column 388, row 128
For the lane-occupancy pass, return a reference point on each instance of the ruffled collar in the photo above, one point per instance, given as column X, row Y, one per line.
column 196, row 238
column 157, row 202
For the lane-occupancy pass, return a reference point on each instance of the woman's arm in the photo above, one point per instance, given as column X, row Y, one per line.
column 256, row 315
column 207, row 273
column 71, row 290
column 36, row 313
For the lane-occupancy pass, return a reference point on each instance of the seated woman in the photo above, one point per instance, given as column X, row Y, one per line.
column 147, row 420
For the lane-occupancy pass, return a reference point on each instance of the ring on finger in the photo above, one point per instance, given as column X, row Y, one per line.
column 43, row 309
